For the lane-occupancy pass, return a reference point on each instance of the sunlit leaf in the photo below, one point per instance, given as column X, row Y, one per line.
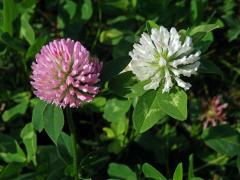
column 147, row 111
column 37, row 115
column 29, row 138
column 190, row 167
column 116, row 109
column 9, row 10
column 111, row 36
column 15, row 111
column 53, row 121
column 87, row 9
column 150, row 172
column 178, row 174
column 174, row 103
column 121, row 171
column 26, row 29
column 10, row 151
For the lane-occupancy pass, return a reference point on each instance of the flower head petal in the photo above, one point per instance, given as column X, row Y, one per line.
column 65, row 74
column 163, row 58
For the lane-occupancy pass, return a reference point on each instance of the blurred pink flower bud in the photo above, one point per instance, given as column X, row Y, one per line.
column 215, row 113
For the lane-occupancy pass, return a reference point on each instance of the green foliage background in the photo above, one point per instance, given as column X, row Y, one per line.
column 119, row 134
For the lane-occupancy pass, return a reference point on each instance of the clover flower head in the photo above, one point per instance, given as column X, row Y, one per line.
column 162, row 57
column 215, row 112
column 65, row 74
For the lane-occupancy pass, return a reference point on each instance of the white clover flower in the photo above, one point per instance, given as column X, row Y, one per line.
column 162, row 58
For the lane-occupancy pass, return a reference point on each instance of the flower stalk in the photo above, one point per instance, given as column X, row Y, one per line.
column 73, row 135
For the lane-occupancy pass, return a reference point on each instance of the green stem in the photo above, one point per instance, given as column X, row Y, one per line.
column 99, row 26
column 74, row 142
column 212, row 162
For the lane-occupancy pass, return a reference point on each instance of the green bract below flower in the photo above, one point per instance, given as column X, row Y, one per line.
column 162, row 58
